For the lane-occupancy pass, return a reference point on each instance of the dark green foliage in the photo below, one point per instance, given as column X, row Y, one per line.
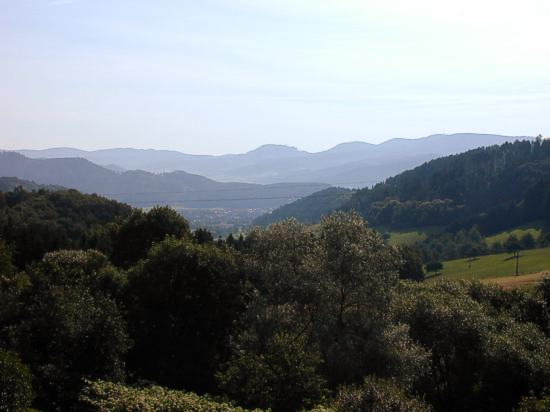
column 532, row 403
column 7, row 268
column 411, row 266
column 377, row 395
column 522, row 305
column 182, row 301
column 434, row 266
column 543, row 289
column 544, row 237
column 66, row 326
column 39, row 222
column 142, row 229
column 324, row 295
column 288, row 317
column 480, row 360
column 201, row 236
column 527, row 241
column 280, row 373
column 15, row 383
column 448, row 245
column 512, row 244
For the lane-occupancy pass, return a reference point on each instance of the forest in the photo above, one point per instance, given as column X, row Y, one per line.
column 109, row 308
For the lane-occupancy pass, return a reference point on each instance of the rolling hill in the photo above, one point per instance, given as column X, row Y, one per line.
column 351, row 165
column 7, row 184
column 142, row 189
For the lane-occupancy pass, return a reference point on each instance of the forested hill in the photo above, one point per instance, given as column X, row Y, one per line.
column 7, row 184
column 42, row 221
column 495, row 188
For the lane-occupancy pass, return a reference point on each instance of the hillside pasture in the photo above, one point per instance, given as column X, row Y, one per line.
column 495, row 266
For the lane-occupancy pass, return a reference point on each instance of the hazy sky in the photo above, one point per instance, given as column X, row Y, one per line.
column 218, row 76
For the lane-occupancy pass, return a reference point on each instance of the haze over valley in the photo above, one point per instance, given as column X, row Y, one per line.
column 250, row 184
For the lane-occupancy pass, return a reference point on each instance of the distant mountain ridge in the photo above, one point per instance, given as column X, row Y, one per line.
column 351, row 164
column 141, row 188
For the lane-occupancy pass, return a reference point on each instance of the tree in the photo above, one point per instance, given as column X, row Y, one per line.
column 434, row 266
column 527, row 241
column 203, row 236
column 512, row 244
column 412, row 266
column 138, row 233
column 7, row 268
column 358, row 275
column 15, row 383
column 282, row 375
column 69, row 327
column 182, row 301
column 327, row 290
column 544, row 238
column 481, row 359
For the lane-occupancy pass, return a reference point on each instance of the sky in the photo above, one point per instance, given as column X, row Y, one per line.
column 226, row 76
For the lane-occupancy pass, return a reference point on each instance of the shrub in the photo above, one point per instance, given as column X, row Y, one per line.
column 283, row 377
column 377, row 395
column 102, row 396
column 533, row 404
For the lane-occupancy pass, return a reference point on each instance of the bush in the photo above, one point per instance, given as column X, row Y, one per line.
column 377, row 395
column 533, row 404
column 102, row 396
column 481, row 360
column 15, row 383
column 284, row 377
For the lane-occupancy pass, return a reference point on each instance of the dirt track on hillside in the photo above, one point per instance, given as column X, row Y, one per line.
column 512, row 282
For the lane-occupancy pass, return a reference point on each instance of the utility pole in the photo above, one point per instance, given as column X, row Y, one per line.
column 517, row 262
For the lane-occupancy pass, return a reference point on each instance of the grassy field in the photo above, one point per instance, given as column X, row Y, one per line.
column 499, row 265
column 406, row 238
column 412, row 236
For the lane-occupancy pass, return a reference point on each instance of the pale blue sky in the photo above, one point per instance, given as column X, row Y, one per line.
column 218, row 76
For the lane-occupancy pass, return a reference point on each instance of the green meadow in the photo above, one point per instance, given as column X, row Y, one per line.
column 497, row 265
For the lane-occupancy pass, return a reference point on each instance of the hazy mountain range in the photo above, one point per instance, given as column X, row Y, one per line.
column 353, row 164
column 141, row 188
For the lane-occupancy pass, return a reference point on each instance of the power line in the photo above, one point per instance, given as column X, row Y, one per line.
column 182, row 192
column 235, row 199
column 259, row 188
column 274, row 186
